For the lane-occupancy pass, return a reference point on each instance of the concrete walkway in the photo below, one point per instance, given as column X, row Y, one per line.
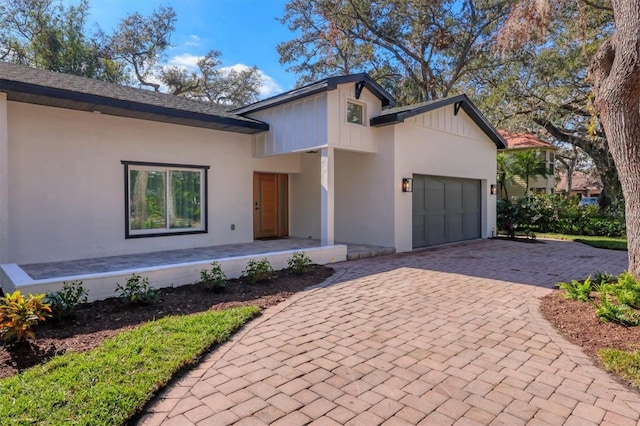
column 450, row 335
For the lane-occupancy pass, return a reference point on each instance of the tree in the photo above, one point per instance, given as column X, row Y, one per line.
column 543, row 88
column 40, row 34
column 212, row 83
column 141, row 41
column 417, row 49
column 615, row 72
column 505, row 172
column 527, row 164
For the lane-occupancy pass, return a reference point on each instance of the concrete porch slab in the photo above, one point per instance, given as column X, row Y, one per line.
column 164, row 269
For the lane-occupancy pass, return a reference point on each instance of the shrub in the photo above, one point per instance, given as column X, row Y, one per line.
column 64, row 302
column 601, row 277
column 215, row 278
column 137, row 290
column 556, row 213
column 257, row 271
column 576, row 290
column 18, row 314
column 299, row 263
column 626, row 290
column 623, row 314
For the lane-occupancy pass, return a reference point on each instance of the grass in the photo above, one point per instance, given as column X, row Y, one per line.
column 108, row 384
column 623, row 363
column 609, row 243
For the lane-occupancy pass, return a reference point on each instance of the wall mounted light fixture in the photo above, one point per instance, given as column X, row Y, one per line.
column 407, row 184
column 494, row 190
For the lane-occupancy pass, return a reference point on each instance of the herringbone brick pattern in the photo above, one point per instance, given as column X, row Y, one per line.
column 445, row 336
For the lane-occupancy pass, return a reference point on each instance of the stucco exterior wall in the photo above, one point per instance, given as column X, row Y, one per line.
column 66, row 182
column 304, row 198
column 364, row 194
column 454, row 147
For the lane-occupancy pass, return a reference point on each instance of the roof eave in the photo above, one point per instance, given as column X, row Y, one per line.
column 44, row 95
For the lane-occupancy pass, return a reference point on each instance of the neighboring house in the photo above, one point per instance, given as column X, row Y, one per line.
column 524, row 141
column 582, row 184
column 91, row 169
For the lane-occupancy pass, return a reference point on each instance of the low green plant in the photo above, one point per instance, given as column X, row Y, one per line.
column 601, row 276
column 626, row 290
column 623, row 363
column 607, row 310
column 18, row 314
column 258, row 271
column 214, row 278
column 137, row 290
column 299, row 263
column 577, row 290
column 63, row 303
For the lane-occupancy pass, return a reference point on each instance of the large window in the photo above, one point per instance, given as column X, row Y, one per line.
column 165, row 199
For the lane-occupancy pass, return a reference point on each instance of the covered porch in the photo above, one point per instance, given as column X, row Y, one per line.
column 172, row 267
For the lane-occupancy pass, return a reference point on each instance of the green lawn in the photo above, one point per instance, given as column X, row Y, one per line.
column 625, row 364
column 108, row 384
column 599, row 242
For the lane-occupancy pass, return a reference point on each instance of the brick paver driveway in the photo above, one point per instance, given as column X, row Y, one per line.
column 450, row 335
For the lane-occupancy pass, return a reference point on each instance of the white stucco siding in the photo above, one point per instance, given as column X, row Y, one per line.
column 349, row 136
column 304, row 198
column 293, row 127
column 66, row 182
column 465, row 153
column 4, row 179
column 364, row 197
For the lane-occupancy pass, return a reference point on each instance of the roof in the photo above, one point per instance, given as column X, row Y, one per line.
column 580, row 181
column 49, row 88
column 524, row 141
column 399, row 114
column 330, row 83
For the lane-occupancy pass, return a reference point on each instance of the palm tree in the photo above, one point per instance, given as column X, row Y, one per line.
column 505, row 172
column 528, row 164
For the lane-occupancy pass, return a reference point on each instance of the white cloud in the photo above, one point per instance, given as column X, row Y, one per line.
column 186, row 61
column 194, row 40
column 269, row 86
column 189, row 62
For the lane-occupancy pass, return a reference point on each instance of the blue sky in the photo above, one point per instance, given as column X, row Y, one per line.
column 245, row 31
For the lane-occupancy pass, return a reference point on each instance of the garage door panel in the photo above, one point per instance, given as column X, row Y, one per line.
column 445, row 210
column 454, row 227
column 436, row 231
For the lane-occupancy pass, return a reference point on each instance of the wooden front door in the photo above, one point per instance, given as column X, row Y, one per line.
column 270, row 205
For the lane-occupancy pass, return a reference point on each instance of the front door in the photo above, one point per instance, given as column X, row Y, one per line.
column 270, row 205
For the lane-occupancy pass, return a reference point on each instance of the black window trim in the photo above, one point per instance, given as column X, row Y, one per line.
column 205, row 170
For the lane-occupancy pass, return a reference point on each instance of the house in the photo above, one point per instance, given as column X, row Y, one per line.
column 537, row 184
column 90, row 169
column 582, row 184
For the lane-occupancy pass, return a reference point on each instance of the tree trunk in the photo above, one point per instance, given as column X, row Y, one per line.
column 616, row 74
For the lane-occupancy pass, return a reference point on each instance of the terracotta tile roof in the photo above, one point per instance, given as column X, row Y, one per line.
column 580, row 181
column 523, row 140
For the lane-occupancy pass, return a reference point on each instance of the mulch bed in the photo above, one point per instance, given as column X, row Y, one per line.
column 578, row 322
column 100, row 320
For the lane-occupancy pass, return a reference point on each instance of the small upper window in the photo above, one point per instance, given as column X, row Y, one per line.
column 355, row 113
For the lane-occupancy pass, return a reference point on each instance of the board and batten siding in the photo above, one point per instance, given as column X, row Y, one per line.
column 350, row 136
column 293, row 127
column 439, row 143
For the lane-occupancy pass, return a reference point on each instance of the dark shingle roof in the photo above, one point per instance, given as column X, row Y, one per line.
column 330, row 83
column 399, row 114
column 42, row 87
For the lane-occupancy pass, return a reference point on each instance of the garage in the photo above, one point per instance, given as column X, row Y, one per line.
column 445, row 210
